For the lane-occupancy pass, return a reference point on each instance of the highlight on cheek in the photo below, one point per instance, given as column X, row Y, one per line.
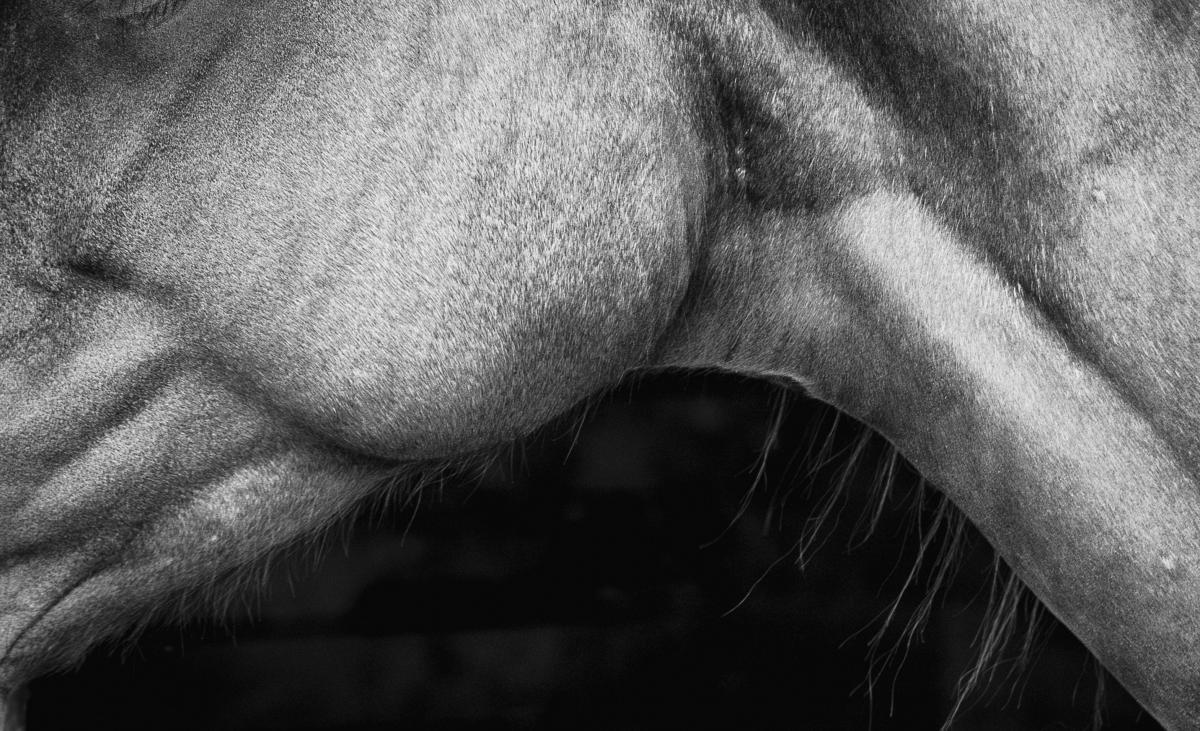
column 138, row 13
column 259, row 259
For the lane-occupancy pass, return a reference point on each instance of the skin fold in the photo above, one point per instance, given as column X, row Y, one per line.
column 257, row 255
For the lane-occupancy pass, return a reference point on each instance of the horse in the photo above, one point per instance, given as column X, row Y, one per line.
column 259, row 257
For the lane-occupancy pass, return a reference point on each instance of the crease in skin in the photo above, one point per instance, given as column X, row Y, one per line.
column 165, row 554
column 142, row 14
column 903, row 260
column 74, row 423
column 96, row 242
column 104, row 503
column 42, row 612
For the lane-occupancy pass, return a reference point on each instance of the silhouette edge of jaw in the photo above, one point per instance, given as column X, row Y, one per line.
column 12, row 707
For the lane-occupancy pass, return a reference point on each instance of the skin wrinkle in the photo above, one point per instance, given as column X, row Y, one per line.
column 159, row 292
column 165, row 567
column 113, row 418
column 372, row 234
column 96, row 246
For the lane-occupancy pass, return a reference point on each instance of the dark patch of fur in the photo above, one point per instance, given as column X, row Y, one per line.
column 1013, row 618
column 1013, row 630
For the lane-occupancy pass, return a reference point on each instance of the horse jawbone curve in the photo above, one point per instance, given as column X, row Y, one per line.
column 260, row 253
column 231, row 310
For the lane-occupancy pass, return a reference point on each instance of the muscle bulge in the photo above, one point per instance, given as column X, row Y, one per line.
column 414, row 236
column 1049, row 150
column 268, row 241
column 384, row 231
column 967, row 224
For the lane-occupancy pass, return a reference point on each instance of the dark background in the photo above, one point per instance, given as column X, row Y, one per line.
column 613, row 572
